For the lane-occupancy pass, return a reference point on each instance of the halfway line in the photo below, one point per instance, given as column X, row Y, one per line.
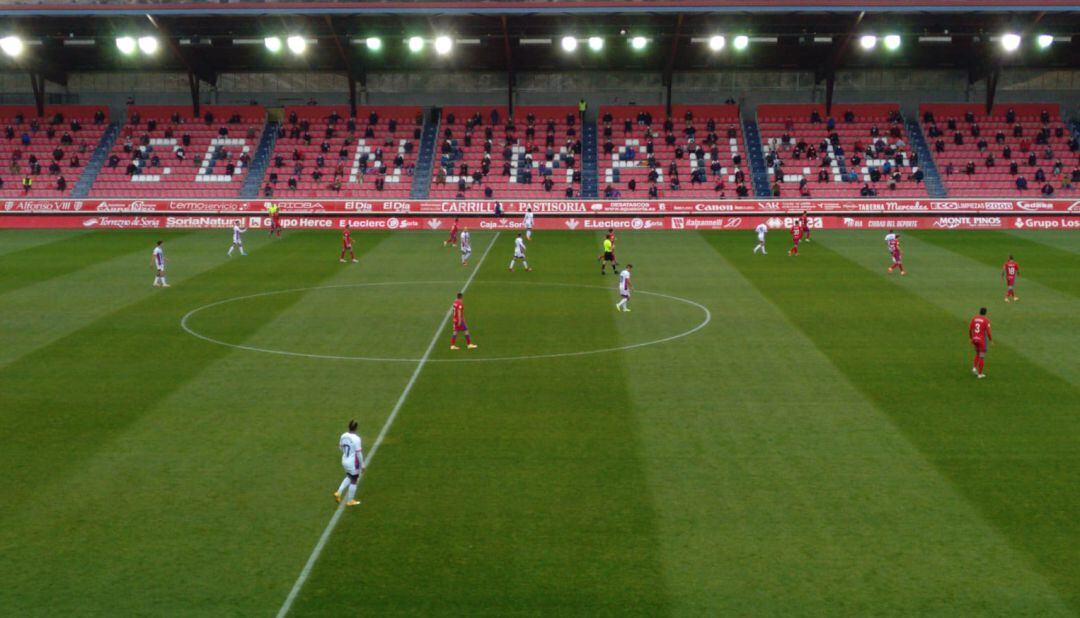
column 306, row 572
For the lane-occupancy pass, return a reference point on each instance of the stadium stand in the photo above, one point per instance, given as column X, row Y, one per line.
column 163, row 151
column 1016, row 149
column 698, row 152
column 859, row 150
column 44, row 157
column 322, row 152
column 484, row 152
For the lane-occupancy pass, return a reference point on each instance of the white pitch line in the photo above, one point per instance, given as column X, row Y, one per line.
column 314, row 557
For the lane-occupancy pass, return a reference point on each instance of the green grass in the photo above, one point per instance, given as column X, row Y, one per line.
column 819, row 447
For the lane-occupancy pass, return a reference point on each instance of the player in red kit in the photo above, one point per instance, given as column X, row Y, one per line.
column 346, row 244
column 892, row 239
column 453, row 235
column 796, row 236
column 1008, row 273
column 804, row 223
column 979, row 331
column 460, row 326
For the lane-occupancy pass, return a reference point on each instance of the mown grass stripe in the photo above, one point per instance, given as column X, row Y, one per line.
column 991, row 438
column 960, row 285
column 65, row 256
column 130, row 359
column 1052, row 267
column 513, row 488
column 14, row 241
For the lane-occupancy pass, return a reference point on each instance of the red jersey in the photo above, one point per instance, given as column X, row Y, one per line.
column 796, row 232
column 1011, row 269
column 894, row 244
column 346, row 238
column 459, row 312
column 453, row 229
column 804, row 222
column 979, row 329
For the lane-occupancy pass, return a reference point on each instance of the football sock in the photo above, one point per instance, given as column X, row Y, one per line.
column 344, row 485
column 468, row 340
column 453, row 340
column 525, row 264
column 231, row 249
column 352, row 492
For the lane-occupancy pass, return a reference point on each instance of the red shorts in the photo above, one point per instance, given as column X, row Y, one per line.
column 980, row 345
column 347, row 246
column 1010, row 281
column 461, row 327
column 896, row 257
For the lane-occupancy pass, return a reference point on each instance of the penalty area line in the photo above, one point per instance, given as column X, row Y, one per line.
column 314, row 557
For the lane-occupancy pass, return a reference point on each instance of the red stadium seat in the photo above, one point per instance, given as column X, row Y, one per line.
column 158, row 130
column 998, row 180
column 74, row 121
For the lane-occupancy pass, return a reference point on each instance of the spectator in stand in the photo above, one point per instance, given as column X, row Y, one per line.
column 632, row 185
column 742, row 191
column 569, row 192
column 1040, row 175
column 292, row 182
column 61, row 184
column 866, row 191
column 969, row 169
column 1013, row 168
column 990, row 161
column 268, row 191
column 1047, row 190
column 27, row 184
column 1021, row 183
column 776, row 189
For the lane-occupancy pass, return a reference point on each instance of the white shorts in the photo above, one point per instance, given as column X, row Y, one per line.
column 761, row 237
column 519, row 255
column 624, row 293
column 351, row 465
column 161, row 271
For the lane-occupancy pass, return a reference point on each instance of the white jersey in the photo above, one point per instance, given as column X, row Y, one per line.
column 237, row 234
column 889, row 238
column 519, row 247
column 624, row 283
column 528, row 220
column 466, row 244
column 352, row 455
column 761, row 229
column 159, row 258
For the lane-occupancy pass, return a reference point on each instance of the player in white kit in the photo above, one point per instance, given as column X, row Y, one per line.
column 519, row 253
column 624, row 289
column 352, row 459
column 237, row 238
column 761, row 229
column 159, row 266
column 466, row 246
column 528, row 223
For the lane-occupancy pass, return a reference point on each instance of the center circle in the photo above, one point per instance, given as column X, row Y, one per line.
column 330, row 320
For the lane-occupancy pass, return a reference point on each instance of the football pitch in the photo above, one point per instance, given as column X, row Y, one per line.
column 761, row 435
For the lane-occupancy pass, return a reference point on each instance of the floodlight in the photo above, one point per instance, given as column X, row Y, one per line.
column 11, row 45
column 373, row 43
column 892, row 42
column 596, row 43
column 273, row 44
column 638, row 42
column 443, row 45
column 296, row 44
column 148, row 44
column 741, row 42
column 868, row 41
column 1045, row 40
column 1010, row 41
column 126, row 45
column 716, row 43
column 416, row 44
column 569, row 43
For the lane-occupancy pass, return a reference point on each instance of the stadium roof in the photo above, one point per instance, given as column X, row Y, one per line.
column 205, row 39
